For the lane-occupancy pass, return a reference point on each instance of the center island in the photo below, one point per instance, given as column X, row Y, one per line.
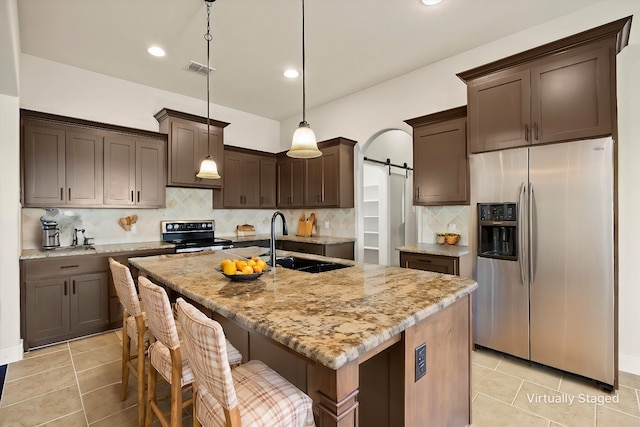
column 371, row 345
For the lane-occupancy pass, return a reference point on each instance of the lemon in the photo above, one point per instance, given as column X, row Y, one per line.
column 252, row 262
column 247, row 269
column 230, row 268
column 224, row 262
column 257, row 269
column 262, row 264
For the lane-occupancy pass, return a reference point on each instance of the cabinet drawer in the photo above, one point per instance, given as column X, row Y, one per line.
column 435, row 263
column 307, row 248
column 63, row 266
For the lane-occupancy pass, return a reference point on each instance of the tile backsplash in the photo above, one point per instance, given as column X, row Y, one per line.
column 182, row 204
column 438, row 219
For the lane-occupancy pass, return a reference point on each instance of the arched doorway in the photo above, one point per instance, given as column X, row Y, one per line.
column 388, row 218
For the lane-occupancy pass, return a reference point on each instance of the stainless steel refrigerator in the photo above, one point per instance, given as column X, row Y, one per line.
column 552, row 302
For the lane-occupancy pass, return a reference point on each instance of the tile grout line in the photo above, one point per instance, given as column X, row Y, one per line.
column 75, row 373
column 517, row 392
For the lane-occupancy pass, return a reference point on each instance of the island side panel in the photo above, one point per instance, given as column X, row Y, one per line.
column 442, row 396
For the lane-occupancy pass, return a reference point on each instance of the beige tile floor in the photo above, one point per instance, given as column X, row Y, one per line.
column 77, row 383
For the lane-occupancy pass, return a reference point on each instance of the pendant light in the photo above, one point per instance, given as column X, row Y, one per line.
column 303, row 144
column 208, row 167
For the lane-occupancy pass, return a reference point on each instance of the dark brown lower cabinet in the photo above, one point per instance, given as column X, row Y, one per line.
column 435, row 263
column 65, row 307
column 70, row 296
column 334, row 250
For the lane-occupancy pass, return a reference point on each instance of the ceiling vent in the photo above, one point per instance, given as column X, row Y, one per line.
column 196, row 67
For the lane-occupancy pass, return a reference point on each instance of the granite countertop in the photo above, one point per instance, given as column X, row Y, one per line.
column 318, row 240
column 435, row 249
column 93, row 249
column 331, row 317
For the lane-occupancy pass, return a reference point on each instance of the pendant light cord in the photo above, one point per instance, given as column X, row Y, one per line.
column 304, row 120
column 208, row 38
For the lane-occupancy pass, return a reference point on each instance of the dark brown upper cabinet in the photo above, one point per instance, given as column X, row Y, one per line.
column 63, row 163
column 322, row 182
column 440, row 162
column 329, row 178
column 250, row 179
column 290, row 182
column 134, row 172
column 188, row 144
column 562, row 91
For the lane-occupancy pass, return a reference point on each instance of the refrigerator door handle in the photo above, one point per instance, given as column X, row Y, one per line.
column 531, row 248
column 522, row 252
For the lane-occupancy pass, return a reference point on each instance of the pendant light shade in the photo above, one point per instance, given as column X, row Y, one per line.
column 208, row 167
column 303, row 144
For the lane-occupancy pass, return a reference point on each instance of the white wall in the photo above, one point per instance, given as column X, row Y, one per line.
column 436, row 87
column 56, row 88
column 10, row 342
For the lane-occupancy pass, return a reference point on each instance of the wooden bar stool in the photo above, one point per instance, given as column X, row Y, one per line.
column 134, row 331
column 166, row 357
column 250, row 395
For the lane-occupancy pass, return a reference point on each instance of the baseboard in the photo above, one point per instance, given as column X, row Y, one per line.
column 629, row 363
column 11, row 354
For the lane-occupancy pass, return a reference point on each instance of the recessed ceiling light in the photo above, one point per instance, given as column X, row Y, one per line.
column 291, row 73
column 430, row 2
column 156, row 51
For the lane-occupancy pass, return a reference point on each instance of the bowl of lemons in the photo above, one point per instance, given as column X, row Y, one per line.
column 242, row 270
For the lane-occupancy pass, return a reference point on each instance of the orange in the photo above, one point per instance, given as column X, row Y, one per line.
column 252, row 262
column 224, row 262
column 262, row 264
column 230, row 268
column 257, row 269
column 247, row 269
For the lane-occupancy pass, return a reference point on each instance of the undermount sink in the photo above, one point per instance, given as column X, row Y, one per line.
column 309, row 265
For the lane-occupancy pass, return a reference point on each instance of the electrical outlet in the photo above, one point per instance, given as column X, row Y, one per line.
column 326, row 224
column 421, row 361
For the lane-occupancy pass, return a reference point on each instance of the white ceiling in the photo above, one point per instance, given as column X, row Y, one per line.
column 351, row 44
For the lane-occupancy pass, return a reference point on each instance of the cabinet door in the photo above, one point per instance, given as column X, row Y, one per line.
column 251, row 181
column 89, row 301
column 47, row 309
column 232, row 192
column 441, row 167
column 314, row 182
column 150, row 173
column 44, row 165
column 183, row 150
column 330, row 185
column 499, row 112
column 84, row 166
column 267, row 183
column 119, row 170
column 290, row 182
column 571, row 97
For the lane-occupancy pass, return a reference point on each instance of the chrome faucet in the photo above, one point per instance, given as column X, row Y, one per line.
column 272, row 242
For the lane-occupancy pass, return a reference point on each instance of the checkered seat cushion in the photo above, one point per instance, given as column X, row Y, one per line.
column 252, row 393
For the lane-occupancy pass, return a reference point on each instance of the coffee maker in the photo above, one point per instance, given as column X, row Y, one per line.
column 50, row 234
